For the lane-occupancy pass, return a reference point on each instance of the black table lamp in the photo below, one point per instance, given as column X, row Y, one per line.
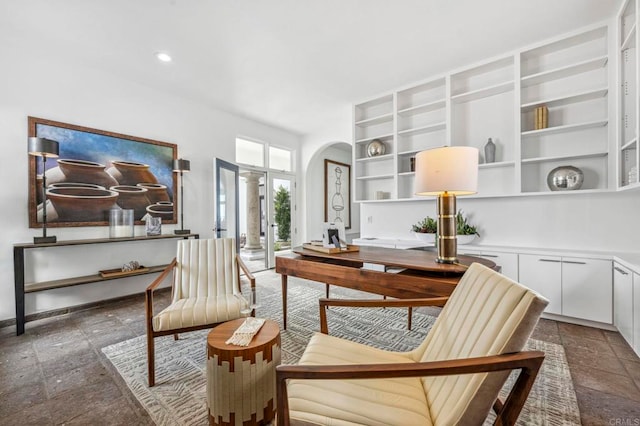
column 181, row 165
column 45, row 148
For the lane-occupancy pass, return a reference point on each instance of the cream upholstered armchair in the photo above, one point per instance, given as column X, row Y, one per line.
column 206, row 278
column 452, row 378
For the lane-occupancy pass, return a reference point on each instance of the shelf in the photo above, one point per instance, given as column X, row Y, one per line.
column 629, row 145
column 406, row 174
column 375, row 120
column 565, row 71
column 384, row 136
column 563, row 157
column 103, row 240
column 497, row 165
column 559, row 193
column 630, row 41
column 411, row 152
column 565, row 128
column 68, row 282
column 424, row 129
column 375, row 158
column 578, row 97
column 374, row 177
column 419, row 109
column 483, row 93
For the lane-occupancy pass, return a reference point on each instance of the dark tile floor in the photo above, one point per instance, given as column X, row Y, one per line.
column 56, row 374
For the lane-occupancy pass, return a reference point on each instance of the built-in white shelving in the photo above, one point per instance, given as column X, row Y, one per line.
column 628, row 152
column 497, row 99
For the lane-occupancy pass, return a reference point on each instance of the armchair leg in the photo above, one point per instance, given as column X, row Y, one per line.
column 151, row 359
column 409, row 317
column 327, row 290
column 175, row 336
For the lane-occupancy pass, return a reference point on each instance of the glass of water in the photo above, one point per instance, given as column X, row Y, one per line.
column 248, row 301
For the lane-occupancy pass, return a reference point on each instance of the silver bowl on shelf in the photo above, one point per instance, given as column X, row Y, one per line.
column 565, row 178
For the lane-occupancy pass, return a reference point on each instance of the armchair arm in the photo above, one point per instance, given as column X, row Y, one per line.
column 152, row 287
column 528, row 362
column 372, row 303
column 247, row 272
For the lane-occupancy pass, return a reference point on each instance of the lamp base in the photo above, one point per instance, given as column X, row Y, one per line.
column 182, row 231
column 447, row 261
column 44, row 240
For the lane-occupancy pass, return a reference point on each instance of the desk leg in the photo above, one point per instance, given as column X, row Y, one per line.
column 18, row 275
column 284, row 301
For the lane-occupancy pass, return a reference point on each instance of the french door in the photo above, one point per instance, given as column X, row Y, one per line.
column 227, row 203
column 280, row 215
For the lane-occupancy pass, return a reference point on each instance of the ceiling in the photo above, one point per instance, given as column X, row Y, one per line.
column 288, row 63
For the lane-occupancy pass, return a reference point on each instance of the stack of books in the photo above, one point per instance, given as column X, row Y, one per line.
column 541, row 117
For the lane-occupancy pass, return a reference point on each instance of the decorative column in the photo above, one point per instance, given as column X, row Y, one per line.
column 253, row 210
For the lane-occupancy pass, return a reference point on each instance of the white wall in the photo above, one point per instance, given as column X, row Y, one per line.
column 604, row 221
column 42, row 85
column 314, row 189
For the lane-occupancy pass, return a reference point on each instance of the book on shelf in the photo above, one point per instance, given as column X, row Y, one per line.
column 541, row 117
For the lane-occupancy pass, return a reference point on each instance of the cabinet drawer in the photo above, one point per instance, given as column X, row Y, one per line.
column 543, row 274
column 587, row 289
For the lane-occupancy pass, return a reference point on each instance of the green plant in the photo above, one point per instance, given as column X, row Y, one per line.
column 426, row 226
column 277, row 246
column 463, row 227
column 282, row 205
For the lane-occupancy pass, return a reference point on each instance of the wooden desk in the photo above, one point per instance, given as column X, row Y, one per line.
column 422, row 275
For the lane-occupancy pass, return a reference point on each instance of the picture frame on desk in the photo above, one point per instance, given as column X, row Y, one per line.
column 337, row 192
column 97, row 171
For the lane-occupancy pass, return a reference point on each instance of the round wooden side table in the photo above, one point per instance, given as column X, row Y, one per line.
column 241, row 380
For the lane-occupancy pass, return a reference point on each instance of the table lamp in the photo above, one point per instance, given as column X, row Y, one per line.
column 41, row 147
column 447, row 172
column 181, row 165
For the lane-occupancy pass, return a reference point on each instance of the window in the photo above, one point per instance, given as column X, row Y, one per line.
column 279, row 159
column 249, row 152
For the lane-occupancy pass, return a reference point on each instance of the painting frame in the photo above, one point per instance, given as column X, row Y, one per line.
column 92, row 147
column 336, row 193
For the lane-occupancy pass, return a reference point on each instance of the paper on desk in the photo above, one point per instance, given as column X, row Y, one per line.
column 243, row 334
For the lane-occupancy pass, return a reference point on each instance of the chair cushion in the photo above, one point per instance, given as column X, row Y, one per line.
column 197, row 311
column 350, row 402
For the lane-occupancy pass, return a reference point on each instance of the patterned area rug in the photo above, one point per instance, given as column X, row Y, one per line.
column 179, row 397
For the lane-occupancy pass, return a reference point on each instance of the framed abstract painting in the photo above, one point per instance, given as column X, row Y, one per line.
column 337, row 193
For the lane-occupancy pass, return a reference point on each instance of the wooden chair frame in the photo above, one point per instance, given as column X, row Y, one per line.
column 151, row 334
column 507, row 413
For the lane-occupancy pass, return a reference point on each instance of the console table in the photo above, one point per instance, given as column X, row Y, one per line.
column 18, row 269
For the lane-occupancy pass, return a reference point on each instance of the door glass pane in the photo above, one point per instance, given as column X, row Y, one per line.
column 227, row 200
column 279, row 159
column 249, row 152
column 281, row 203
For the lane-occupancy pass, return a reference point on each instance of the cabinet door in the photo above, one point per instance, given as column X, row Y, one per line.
column 543, row 274
column 636, row 313
column 587, row 289
column 507, row 261
column 623, row 301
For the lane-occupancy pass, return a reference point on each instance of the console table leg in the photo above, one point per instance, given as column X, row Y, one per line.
column 18, row 274
column 284, row 301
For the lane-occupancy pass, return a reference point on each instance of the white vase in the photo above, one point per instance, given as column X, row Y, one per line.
column 466, row 239
column 424, row 237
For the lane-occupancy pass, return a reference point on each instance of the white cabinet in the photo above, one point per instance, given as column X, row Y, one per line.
column 587, row 289
column 497, row 99
column 508, row 262
column 636, row 313
column 544, row 275
column 623, row 301
column 576, row 287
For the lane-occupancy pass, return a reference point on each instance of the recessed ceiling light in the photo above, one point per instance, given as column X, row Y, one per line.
column 164, row 57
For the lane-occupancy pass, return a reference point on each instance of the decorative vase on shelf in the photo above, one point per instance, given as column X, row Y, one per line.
column 376, row 147
column 490, row 152
column 565, row 178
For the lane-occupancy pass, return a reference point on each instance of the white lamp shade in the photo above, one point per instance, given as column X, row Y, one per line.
column 452, row 169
